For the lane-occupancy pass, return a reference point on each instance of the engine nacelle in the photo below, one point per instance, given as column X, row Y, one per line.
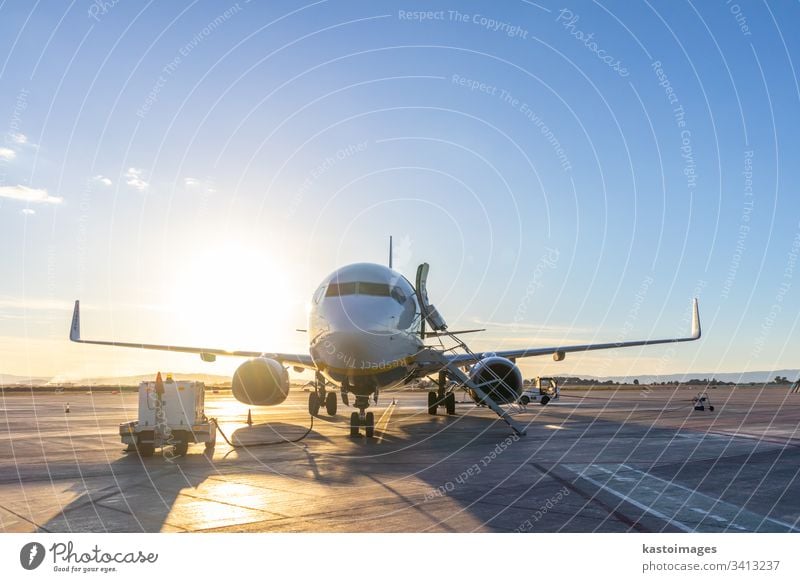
column 502, row 379
column 261, row 382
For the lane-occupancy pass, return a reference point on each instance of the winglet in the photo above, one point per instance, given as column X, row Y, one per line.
column 696, row 330
column 75, row 329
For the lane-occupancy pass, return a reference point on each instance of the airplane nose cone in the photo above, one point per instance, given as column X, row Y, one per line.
column 347, row 320
column 354, row 349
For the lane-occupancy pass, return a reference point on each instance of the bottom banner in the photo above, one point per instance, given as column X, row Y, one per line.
column 396, row 556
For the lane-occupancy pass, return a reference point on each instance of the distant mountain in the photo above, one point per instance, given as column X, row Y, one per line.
column 11, row 379
column 209, row 379
column 215, row 379
column 759, row 377
column 6, row 379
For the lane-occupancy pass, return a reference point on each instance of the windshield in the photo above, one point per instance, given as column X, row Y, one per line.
column 365, row 288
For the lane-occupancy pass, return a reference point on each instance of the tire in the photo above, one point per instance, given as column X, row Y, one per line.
column 181, row 448
column 432, row 403
column 450, row 403
column 369, row 425
column 545, row 400
column 313, row 404
column 145, row 449
column 524, row 400
column 711, row 409
column 355, row 422
column 331, row 403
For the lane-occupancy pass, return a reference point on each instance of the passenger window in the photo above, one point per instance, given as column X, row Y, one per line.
column 318, row 294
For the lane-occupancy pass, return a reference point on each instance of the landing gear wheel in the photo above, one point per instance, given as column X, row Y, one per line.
column 450, row 403
column 545, row 400
column 313, row 404
column 355, row 422
column 369, row 425
column 330, row 404
column 181, row 448
column 525, row 401
column 432, row 403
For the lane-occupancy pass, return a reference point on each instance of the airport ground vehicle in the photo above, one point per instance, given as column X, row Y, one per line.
column 171, row 414
column 542, row 389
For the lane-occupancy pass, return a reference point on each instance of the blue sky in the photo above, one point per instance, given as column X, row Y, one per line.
column 571, row 171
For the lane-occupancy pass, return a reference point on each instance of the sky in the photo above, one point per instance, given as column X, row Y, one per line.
column 572, row 172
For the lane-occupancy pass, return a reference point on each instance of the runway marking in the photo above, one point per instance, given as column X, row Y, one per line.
column 386, row 412
column 672, row 502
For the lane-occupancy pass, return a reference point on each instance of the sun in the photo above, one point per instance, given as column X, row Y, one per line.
column 234, row 296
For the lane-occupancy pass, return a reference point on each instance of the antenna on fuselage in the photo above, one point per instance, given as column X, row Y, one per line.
column 390, row 251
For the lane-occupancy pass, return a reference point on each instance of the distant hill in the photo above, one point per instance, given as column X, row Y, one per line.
column 9, row 379
column 215, row 379
column 208, row 379
column 759, row 377
column 6, row 379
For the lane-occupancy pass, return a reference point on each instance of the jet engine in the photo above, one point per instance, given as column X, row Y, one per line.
column 261, row 382
column 500, row 379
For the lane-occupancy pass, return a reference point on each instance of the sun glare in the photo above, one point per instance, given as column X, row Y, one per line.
column 236, row 297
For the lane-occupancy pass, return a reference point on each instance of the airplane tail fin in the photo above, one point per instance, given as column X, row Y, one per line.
column 696, row 329
column 75, row 329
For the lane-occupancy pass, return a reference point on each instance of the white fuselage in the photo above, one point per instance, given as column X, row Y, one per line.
column 363, row 327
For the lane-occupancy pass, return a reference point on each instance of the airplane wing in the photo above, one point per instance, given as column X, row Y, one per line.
column 207, row 354
column 558, row 352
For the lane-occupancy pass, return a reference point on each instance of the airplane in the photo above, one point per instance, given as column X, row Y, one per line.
column 367, row 331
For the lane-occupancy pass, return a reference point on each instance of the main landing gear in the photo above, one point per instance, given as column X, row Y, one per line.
column 442, row 397
column 321, row 397
column 362, row 418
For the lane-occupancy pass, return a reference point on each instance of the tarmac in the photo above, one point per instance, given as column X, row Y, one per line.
column 635, row 460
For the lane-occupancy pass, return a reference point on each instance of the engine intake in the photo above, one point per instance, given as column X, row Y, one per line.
column 261, row 382
column 500, row 378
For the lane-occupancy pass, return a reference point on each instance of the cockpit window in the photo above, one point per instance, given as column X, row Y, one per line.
column 338, row 289
column 377, row 289
column 366, row 288
column 318, row 294
column 398, row 295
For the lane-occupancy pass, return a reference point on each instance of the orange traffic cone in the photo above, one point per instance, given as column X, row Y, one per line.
column 249, row 418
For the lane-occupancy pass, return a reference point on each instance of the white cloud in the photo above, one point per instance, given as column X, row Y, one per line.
column 102, row 180
column 28, row 211
column 34, row 304
column 19, row 138
column 197, row 184
column 36, row 195
column 7, row 154
column 15, row 303
column 133, row 178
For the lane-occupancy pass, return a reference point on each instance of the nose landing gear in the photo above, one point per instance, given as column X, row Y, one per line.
column 321, row 397
column 362, row 418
